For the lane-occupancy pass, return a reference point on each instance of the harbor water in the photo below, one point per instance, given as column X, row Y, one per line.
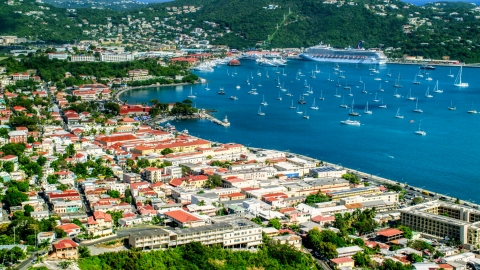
column 445, row 160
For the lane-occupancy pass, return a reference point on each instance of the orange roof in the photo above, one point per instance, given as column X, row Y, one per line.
column 389, row 232
column 181, row 216
column 341, row 260
column 118, row 138
column 65, row 243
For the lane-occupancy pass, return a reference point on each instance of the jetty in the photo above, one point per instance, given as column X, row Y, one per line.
column 223, row 122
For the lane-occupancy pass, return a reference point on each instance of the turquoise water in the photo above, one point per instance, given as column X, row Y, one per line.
column 445, row 160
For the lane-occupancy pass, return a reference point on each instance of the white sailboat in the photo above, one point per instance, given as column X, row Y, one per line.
column 458, row 80
column 380, row 88
column 350, row 94
column 427, row 94
column 283, row 73
column 397, row 82
column 397, row 95
column 450, row 75
column 321, row 95
column 398, row 114
column 420, row 131
column 451, row 108
column 352, row 112
column 364, row 90
column 313, row 75
column 259, row 73
column 305, row 114
column 388, row 73
column 415, row 81
column 436, row 90
column 417, row 110
column 291, row 106
column 266, row 74
column 383, row 106
column 336, row 93
column 191, row 94
column 376, row 99
column 279, row 97
column 314, row 107
column 298, row 110
column 346, row 87
column 316, row 69
column 260, row 111
column 264, row 103
column 366, row 111
column 207, row 88
column 472, row 110
column 410, row 95
column 360, row 81
column 343, row 105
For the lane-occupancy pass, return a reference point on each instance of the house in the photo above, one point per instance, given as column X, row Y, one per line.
column 389, row 234
column 70, row 229
column 289, row 239
column 184, row 219
column 100, row 224
column 152, row 174
column 340, row 263
column 18, row 136
column 46, row 236
column 64, row 249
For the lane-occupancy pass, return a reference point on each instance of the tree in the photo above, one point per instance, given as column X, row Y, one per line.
column 166, row 151
column 414, row 258
column 64, row 264
column 62, row 187
column 70, row 150
column 15, row 197
column 116, row 215
column 352, row 178
column 15, row 149
column 417, row 200
column 361, row 259
column 201, row 203
column 214, row 181
column 328, row 250
column 457, row 201
column 113, row 194
column 41, row 160
column 53, row 179
column 28, row 209
column 275, row 223
column 257, row 220
column 60, row 233
column 407, row 232
column 18, row 215
column 83, row 251
column 8, row 166
column 316, row 198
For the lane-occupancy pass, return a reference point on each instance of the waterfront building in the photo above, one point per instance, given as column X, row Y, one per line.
column 336, row 195
column 444, row 220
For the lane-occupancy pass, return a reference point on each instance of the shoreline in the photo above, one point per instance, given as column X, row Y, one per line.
column 130, row 88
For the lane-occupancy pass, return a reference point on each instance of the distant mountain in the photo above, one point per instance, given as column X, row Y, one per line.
column 119, row 5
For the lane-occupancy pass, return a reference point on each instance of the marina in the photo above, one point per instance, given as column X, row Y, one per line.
column 419, row 160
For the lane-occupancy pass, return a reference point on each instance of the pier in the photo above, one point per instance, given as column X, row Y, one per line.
column 223, row 122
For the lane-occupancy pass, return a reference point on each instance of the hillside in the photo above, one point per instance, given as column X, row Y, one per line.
column 433, row 31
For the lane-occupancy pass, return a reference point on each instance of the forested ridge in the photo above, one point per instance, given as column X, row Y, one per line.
column 196, row 256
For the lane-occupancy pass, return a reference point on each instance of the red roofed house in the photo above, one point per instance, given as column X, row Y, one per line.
column 20, row 76
column 343, row 262
column 134, row 109
column 389, row 234
column 19, row 109
column 184, row 219
column 100, row 224
column 196, row 181
column 64, row 249
column 113, row 139
column 189, row 61
column 70, row 229
column 323, row 220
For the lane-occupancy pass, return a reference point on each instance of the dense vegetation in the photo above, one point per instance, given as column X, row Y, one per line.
column 196, row 256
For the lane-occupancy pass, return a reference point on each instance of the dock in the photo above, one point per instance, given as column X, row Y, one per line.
column 223, row 122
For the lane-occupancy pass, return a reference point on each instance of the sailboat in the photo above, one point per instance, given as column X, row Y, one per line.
column 410, row 95
column 360, row 81
column 221, row 91
column 383, row 106
column 316, row 69
column 458, row 80
column 397, row 82
column 450, row 75
column 276, row 70
column 388, row 73
column 305, row 84
column 207, row 88
column 329, row 79
column 436, row 90
column 420, row 132
column 251, row 75
column 343, row 104
column 291, row 106
column 283, row 88
column 288, row 93
column 314, row 107
column 283, row 73
column 264, row 103
column 417, row 110
column 191, row 93
column 375, row 99
column 364, row 91
column 427, row 94
column 352, row 112
column 279, row 97
column 321, row 95
column 472, row 110
column 366, row 111
column 451, row 108
column 350, row 94
column 266, row 74
column 313, row 74
column 380, row 88
column 397, row 95
column 377, row 78
column 428, row 77
column 298, row 110
column 336, row 93
column 415, row 81
column 346, row 87
column 260, row 111
column 310, row 90
column 259, row 73
column 305, row 115
column 398, row 114
column 338, row 83
column 341, row 76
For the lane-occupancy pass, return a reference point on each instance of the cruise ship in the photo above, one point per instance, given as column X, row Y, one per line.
column 359, row 55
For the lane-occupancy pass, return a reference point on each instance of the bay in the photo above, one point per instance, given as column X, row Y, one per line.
column 445, row 160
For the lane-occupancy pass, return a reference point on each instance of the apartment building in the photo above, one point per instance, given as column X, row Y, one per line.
column 234, row 232
column 444, row 220
column 337, row 195
column 152, row 174
column 82, row 58
column 110, row 57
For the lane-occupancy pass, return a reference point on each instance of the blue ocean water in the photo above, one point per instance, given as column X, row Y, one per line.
column 445, row 160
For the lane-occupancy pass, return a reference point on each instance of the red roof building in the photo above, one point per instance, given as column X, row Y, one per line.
column 389, row 234
column 183, row 218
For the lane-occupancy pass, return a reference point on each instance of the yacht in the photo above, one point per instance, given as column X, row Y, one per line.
column 427, row 94
column 350, row 122
column 352, row 112
column 321, row 95
column 264, row 103
column 366, row 111
column 221, row 91
column 343, row 105
column 383, row 106
column 398, row 114
column 397, row 95
column 375, row 99
column 458, row 80
column 472, row 110
column 417, row 110
column 233, row 98
column 410, row 95
column 291, row 106
column 305, row 115
column 314, row 107
column 260, row 111
column 436, row 90
column 420, row 132
column 298, row 110
column 451, row 108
